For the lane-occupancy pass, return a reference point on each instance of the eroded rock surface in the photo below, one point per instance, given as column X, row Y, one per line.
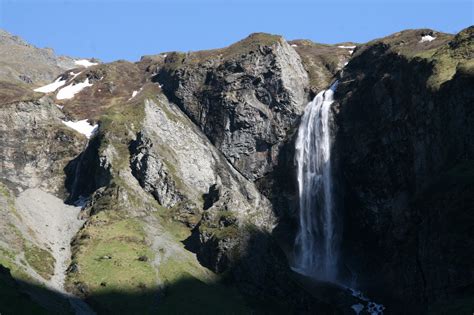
column 245, row 98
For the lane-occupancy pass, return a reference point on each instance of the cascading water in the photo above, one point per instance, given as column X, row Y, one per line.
column 316, row 247
column 316, row 242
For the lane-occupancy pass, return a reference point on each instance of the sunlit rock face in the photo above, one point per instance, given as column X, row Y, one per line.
column 180, row 172
column 246, row 98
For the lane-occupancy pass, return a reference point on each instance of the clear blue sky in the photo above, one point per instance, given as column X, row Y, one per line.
column 111, row 30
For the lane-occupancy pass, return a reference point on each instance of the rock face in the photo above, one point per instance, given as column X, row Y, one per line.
column 189, row 181
column 152, row 173
column 245, row 98
column 35, row 145
column 171, row 137
column 23, row 63
column 322, row 62
column 405, row 149
column 178, row 165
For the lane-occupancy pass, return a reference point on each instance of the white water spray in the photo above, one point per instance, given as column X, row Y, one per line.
column 316, row 248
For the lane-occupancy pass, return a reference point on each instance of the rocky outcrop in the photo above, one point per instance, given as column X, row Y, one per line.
column 35, row 225
column 35, row 145
column 88, row 171
column 191, row 172
column 21, row 62
column 405, row 130
column 152, row 172
column 245, row 98
column 192, row 165
column 177, row 164
column 322, row 62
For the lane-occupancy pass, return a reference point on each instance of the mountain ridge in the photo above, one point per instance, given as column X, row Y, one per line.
column 188, row 183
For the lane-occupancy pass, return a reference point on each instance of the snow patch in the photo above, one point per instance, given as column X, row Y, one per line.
column 350, row 52
column 347, row 47
column 85, row 63
column 72, row 89
column 294, row 45
column 51, row 87
column 427, row 38
column 82, row 126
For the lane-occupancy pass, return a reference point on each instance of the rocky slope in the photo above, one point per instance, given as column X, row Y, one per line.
column 186, row 192
column 21, row 62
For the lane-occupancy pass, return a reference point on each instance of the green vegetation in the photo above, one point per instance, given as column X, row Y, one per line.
column 107, row 253
column 40, row 260
column 444, row 68
column 176, row 229
column 7, row 259
column 176, row 60
column 184, row 279
column 252, row 42
column 189, row 295
column 5, row 192
column 222, row 225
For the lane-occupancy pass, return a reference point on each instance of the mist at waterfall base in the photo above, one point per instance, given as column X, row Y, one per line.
column 316, row 246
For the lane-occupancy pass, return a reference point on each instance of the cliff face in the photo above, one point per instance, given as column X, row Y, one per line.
column 405, row 148
column 245, row 97
column 187, row 185
column 35, row 144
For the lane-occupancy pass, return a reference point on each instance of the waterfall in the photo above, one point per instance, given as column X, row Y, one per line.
column 316, row 241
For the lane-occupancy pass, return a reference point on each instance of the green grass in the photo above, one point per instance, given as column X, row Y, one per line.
column 40, row 260
column 177, row 60
column 176, row 229
column 185, row 280
column 189, row 295
column 10, row 200
column 7, row 259
column 107, row 256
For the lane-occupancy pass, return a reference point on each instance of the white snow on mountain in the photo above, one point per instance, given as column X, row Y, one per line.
column 51, row 87
column 347, row 47
column 85, row 63
column 72, row 89
column 427, row 38
column 82, row 126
